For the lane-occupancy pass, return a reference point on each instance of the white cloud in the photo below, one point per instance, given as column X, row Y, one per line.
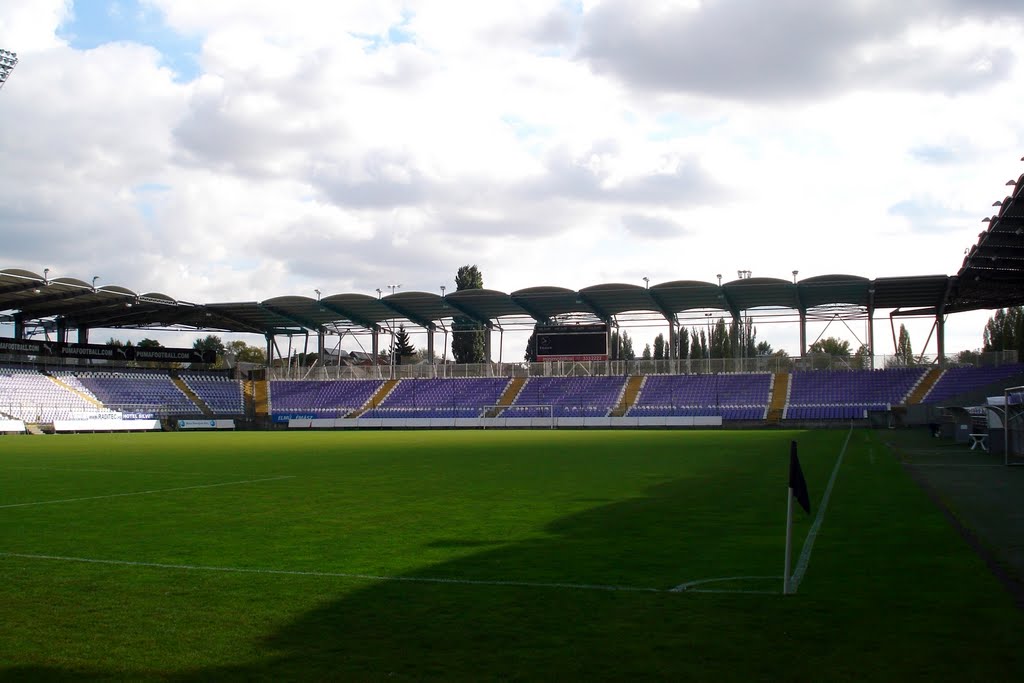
column 346, row 145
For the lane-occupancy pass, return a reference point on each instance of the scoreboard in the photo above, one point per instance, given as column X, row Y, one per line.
column 572, row 342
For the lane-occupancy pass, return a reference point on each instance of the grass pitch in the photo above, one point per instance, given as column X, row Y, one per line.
column 480, row 555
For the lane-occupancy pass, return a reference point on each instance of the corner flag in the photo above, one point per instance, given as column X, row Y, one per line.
column 797, row 489
column 797, row 481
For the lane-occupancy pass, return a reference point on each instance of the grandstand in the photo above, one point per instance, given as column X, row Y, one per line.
column 51, row 378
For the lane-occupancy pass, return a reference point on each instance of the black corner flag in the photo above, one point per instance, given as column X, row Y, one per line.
column 797, row 481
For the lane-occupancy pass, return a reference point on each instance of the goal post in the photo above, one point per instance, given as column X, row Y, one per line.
column 1013, row 425
column 543, row 415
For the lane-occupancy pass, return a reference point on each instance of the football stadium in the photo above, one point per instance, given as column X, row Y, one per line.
column 167, row 512
column 300, row 510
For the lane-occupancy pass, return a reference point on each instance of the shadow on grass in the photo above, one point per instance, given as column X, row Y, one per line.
column 411, row 629
column 422, row 630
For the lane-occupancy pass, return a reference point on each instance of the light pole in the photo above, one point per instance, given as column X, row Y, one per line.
column 392, row 326
column 708, row 316
column 94, row 279
column 8, row 60
column 647, row 283
column 795, row 273
column 317, row 294
column 719, row 279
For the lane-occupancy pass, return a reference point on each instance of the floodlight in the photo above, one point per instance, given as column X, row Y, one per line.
column 8, row 60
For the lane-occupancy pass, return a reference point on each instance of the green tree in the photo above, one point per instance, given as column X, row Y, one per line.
column 831, row 346
column 904, row 353
column 244, row 353
column 531, row 346
column 148, row 343
column 211, row 342
column 403, row 347
column 861, row 360
column 684, row 343
column 627, row 347
column 763, row 348
column 659, row 347
column 647, row 352
column 468, row 335
column 968, row 358
column 1004, row 331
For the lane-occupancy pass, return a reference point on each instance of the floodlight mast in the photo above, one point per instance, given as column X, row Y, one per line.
column 8, row 60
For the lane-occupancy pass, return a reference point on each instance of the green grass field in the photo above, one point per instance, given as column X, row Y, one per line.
column 470, row 555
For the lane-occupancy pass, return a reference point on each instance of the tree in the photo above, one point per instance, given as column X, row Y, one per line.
column 467, row 335
column 861, row 359
column 647, row 352
column 659, row 347
column 531, row 346
column 148, row 343
column 402, row 346
column 763, row 348
column 904, row 353
column 831, row 346
column 1004, row 331
column 684, row 343
column 627, row 347
column 244, row 353
column 210, row 342
column 968, row 358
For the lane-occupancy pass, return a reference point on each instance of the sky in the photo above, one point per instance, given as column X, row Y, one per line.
column 241, row 150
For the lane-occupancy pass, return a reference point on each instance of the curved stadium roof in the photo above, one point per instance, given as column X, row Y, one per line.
column 992, row 276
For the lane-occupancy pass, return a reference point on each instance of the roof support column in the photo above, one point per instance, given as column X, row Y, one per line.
column 871, row 327
column 19, row 326
column 270, row 350
column 871, row 339
column 940, row 338
column 430, row 344
column 83, row 334
column 62, row 330
column 487, row 343
column 737, row 326
column 673, row 350
column 321, row 333
column 803, row 332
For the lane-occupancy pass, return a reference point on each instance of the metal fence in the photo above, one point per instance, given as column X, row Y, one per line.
column 630, row 367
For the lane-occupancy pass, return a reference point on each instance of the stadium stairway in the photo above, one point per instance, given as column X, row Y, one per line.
column 632, row 390
column 918, row 393
column 192, row 396
column 260, row 396
column 508, row 396
column 76, row 392
column 377, row 398
column 780, row 392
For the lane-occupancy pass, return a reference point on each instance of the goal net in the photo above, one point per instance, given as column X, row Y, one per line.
column 534, row 415
column 1013, row 425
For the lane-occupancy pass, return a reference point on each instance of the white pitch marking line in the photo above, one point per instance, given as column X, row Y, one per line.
column 143, row 493
column 688, row 586
column 93, row 469
column 812, row 533
column 339, row 575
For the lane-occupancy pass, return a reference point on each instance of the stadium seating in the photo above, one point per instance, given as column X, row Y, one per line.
column 435, row 398
column 326, row 398
column 134, row 390
column 28, row 395
column 568, row 396
column 956, row 381
column 222, row 395
column 739, row 396
column 847, row 394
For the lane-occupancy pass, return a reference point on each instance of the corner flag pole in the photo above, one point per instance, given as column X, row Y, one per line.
column 789, row 538
column 798, row 489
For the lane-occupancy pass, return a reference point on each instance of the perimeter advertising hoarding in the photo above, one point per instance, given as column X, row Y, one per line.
column 572, row 342
column 51, row 349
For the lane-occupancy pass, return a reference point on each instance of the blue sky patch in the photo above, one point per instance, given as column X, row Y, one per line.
column 97, row 22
